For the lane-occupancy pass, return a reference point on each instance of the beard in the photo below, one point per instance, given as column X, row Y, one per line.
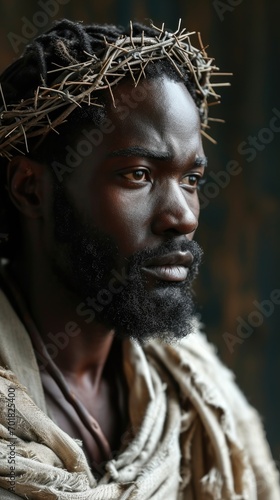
column 88, row 262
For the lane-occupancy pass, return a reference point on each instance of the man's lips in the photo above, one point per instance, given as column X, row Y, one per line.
column 170, row 267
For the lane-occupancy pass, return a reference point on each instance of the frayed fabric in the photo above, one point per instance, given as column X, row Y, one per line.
column 192, row 433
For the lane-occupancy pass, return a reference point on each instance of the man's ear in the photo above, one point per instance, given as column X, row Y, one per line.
column 24, row 183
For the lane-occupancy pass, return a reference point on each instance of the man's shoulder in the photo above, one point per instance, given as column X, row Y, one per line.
column 208, row 387
column 194, row 360
column 193, row 350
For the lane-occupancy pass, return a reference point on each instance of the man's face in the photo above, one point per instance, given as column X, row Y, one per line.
column 125, row 217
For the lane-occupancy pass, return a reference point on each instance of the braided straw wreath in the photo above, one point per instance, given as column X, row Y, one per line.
column 77, row 84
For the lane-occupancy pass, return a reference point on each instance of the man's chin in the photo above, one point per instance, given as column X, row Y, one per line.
column 166, row 316
column 143, row 334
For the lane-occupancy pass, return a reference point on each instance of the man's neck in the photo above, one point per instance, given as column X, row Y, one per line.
column 81, row 349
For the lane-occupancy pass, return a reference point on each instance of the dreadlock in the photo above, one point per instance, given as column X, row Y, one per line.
column 67, row 44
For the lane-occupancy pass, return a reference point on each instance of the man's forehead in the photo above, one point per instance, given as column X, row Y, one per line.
column 162, row 112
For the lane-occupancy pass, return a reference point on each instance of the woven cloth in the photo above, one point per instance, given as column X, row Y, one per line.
column 192, row 436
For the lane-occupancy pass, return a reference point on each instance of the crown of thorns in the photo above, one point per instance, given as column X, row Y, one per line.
column 78, row 83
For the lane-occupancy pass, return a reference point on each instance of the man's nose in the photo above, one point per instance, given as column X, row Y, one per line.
column 176, row 211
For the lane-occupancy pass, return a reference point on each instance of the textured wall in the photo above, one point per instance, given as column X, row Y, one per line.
column 240, row 214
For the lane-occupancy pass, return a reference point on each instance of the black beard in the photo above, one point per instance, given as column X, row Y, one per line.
column 87, row 261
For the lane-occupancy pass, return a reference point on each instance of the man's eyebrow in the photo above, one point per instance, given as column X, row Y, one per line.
column 201, row 161
column 142, row 152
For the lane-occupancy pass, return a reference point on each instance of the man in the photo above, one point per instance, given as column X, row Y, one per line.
column 108, row 390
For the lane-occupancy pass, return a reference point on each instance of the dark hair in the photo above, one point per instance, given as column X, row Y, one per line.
column 65, row 43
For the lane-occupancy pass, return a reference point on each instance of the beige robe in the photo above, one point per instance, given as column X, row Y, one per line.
column 193, row 435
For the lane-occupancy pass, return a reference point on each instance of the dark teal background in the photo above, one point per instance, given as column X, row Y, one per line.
column 239, row 229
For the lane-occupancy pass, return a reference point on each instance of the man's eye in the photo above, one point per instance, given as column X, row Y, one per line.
column 193, row 180
column 137, row 175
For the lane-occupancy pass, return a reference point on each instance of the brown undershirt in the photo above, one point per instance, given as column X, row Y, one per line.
column 64, row 414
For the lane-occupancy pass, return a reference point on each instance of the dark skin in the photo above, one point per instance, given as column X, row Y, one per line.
column 140, row 200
